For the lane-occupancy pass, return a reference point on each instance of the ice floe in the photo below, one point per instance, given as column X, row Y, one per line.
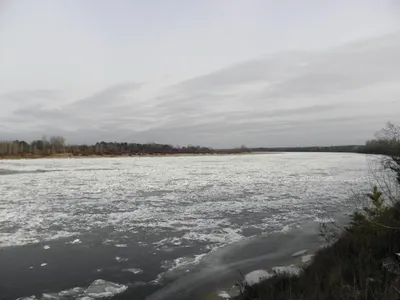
column 256, row 276
column 72, row 292
column 98, row 289
column 323, row 220
column 224, row 295
column 50, row 296
column 299, row 253
column 74, row 242
column 102, row 289
column 133, row 270
column 46, row 247
column 306, row 258
column 121, row 259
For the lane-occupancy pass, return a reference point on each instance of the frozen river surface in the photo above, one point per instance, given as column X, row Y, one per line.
column 146, row 221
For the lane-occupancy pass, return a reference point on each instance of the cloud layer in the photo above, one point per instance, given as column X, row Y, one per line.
column 337, row 96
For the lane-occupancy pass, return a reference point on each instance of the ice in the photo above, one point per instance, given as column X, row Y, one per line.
column 43, row 264
column 207, row 200
column 157, row 280
column 74, row 242
column 285, row 229
column 299, row 253
column 120, row 259
column 181, row 264
column 224, row 295
column 102, row 289
column 226, row 236
column 121, row 245
column 27, row 298
column 323, row 220
column 46, row 247
column 72, row 292
column 50, row 296
column 306, row 258
column 133, row 270
column 98, row 289
column 289, row 270
column 256, row 276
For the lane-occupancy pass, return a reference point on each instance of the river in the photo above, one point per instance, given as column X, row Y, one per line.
column 163, row 227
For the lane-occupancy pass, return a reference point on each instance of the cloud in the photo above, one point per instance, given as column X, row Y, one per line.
column 107, row 97
column 339, row 95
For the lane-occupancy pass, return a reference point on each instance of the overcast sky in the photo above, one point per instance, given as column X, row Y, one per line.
column 212, row 72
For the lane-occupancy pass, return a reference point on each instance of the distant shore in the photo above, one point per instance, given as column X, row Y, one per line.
column 70, row 155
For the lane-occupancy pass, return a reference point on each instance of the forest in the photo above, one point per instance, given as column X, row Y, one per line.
column 57, row 146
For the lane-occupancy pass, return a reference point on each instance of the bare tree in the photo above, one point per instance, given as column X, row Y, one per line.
column 57, row 143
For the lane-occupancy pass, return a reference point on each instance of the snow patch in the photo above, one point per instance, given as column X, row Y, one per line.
column 306, row 258
column 256, row 276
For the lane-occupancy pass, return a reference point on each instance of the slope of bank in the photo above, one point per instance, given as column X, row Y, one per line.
column 363, row 263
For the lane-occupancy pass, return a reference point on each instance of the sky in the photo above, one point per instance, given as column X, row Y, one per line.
column 213, row 72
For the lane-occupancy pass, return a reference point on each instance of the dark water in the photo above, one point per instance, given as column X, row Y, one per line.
column 78, row 265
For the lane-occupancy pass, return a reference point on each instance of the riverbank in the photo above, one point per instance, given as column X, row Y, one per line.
column 364, row 262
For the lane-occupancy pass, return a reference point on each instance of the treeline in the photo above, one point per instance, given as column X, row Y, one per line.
column 51, row 146
column 56, row 145
column 108, row 148
column 346, row 148
column 387, row 141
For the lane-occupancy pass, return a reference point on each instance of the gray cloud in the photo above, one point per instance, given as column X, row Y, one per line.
column 340, row 95
column 107, row 97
